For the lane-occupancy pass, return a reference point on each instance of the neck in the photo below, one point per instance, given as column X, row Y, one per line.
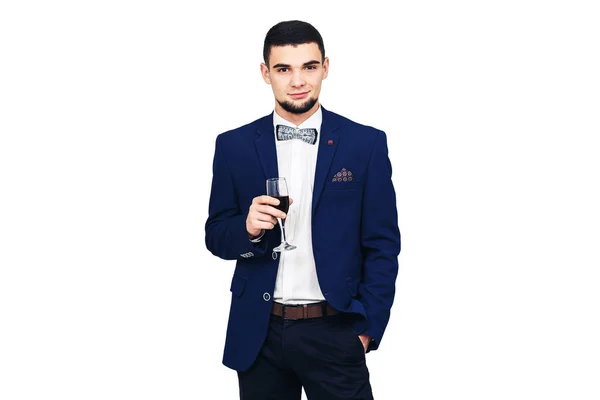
column 296, row 119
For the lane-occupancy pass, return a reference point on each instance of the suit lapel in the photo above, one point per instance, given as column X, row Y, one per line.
column 267, row 152
column 329, row 132
column 265, row 147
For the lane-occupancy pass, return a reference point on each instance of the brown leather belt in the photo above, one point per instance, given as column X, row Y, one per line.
column 303, row 311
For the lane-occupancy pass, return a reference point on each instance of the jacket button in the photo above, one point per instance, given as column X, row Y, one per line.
column 266, row 297
column 274, row 255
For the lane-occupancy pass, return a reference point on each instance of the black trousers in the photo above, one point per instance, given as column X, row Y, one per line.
column 323, row 355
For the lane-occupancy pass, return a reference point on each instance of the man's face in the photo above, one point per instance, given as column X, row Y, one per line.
column 295, row 74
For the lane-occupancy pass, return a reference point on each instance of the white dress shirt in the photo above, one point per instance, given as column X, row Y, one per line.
column 297, row 281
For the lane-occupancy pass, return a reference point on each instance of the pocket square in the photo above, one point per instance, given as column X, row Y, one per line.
column 343, row 176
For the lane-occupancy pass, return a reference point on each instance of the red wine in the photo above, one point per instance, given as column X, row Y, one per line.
column 284, row 203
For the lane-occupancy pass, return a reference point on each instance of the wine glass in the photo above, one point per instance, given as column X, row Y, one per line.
column 277, row 187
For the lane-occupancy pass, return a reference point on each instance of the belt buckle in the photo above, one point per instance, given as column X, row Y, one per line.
column 304, row 312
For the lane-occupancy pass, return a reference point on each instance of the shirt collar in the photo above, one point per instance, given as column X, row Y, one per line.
column 314, row 121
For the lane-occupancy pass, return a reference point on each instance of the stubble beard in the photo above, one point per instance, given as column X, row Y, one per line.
column 298, row 109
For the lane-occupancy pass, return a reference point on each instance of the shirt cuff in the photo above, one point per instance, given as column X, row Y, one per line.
column 259, row 237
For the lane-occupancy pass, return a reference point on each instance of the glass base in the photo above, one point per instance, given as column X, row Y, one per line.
column 285, row 246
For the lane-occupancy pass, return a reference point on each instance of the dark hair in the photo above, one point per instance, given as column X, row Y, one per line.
column 292, row 33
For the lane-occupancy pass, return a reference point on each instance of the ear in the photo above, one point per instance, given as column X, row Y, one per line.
column 266, row 74
column 325, row 67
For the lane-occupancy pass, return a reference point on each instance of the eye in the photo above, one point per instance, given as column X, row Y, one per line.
column 311, row 67
column 282, row 70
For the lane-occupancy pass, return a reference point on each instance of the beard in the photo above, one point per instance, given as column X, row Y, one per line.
column 298, row 109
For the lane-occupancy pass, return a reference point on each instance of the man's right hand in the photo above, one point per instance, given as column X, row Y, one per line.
column 263, row 215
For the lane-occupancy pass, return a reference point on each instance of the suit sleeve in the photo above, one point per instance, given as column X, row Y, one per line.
column 226, row 235
column 380, row 240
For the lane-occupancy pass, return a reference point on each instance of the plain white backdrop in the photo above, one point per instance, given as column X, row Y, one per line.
column 108, row 115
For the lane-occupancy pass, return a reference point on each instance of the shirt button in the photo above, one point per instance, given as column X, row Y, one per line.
column 266, row 297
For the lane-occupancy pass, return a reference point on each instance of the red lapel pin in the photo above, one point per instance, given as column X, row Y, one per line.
column 330, row 142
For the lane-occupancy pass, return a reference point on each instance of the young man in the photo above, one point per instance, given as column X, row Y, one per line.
column 305, row 317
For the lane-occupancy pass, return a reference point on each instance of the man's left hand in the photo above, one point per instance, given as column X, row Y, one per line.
column 365, row 339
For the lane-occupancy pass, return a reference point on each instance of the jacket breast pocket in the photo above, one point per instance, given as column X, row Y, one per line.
column 343, row 186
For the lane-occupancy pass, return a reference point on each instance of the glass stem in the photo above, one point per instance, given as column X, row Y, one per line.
column 282, row 222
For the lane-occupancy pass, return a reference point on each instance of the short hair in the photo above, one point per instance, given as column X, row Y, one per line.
column 292, row 33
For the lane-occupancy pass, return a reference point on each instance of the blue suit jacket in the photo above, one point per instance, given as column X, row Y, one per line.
column 355, row 235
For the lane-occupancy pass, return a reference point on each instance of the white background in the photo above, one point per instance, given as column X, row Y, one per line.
column 108, row 115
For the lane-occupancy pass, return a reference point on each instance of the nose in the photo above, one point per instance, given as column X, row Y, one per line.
column 297, row 79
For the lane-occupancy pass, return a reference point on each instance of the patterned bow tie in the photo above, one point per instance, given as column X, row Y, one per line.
column 307, row 135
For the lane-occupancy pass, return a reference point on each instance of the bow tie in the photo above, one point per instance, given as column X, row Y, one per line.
column 307, row 135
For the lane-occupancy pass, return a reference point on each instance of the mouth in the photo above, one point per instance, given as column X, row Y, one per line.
column 298, row 96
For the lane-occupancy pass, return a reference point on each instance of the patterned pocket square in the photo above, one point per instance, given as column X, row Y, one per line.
column 343, row 176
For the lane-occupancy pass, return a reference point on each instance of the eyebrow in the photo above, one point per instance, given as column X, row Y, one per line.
column 312, row 62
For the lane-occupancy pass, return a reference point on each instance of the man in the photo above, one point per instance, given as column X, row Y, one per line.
column 305, row 317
